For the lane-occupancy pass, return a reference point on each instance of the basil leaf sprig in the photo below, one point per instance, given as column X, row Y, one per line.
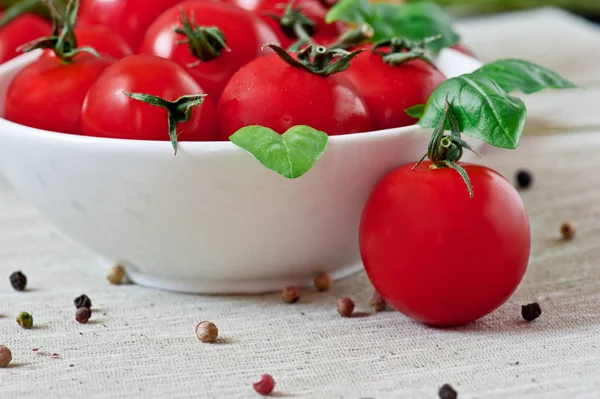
column 479, row 105
column 413, row 21
column 482, row 102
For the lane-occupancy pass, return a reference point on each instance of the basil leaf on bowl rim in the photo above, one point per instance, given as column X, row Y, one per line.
column 290, row 154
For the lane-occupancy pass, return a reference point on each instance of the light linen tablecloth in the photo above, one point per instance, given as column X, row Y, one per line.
column 141, row 342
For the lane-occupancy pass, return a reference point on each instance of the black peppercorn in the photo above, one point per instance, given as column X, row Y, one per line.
column 83, row 301
column 447, row 392
column 524, row 178
column 18, row 281
column 531, row 312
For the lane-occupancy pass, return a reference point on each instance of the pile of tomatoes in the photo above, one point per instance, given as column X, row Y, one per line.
column 171, row 49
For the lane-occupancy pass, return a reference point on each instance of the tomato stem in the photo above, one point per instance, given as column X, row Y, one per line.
column 354, row 37
column 295, row 24
column 402, row 50
column 317, row 59
column 63, row 41
column 178, row 111
column 205, row 43
column 446, row 150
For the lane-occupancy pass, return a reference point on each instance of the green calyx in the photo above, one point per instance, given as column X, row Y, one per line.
column 446, row 150
column 401, row 50
column 294, row 24
column 354, row 37
column 178, row 111
column 63, row 41
column 317, row 59
column 205, row 43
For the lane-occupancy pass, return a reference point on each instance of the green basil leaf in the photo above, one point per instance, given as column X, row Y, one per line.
column 290, row 154
column 414, row 21
column 353, row 11
column 524, row 76
column 415, row 111
column 483, row 109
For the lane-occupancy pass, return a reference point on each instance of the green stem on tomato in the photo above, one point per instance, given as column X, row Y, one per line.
column 205, row 43
column 63, row 41
column 317, row 59
column 354, row 37
column 401, row 50
column 178, row 111
column 445, row 151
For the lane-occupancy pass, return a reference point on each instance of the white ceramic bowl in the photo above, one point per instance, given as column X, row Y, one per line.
column 211, row 219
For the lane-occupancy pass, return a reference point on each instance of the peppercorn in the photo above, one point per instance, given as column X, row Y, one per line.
column 207, row 331
column 447, row 392
column 323, row 282
column 115, row 274
column 265, row 386
column 345, row 307
column 377, row 303
column 290, row 294
column 524, row 178
column 5, row 356
column 18, row 280
column 82, row 315
column 531, row 312
column 25, row 320
column 82, row 301
column 567, row 230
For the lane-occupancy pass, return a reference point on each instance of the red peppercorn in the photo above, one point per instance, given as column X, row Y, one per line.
column 265, row 386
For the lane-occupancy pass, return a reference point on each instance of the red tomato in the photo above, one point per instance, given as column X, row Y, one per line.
column 244, row 32
column 390, row 89
column 104, row 40
column 108, row 112
column 312, row 9
column 271, row 93
column 436, row 254
column 48, row 94
column 21, row 30
column 129, row 18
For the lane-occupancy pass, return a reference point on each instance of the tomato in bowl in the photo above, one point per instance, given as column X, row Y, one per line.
column 210, row 219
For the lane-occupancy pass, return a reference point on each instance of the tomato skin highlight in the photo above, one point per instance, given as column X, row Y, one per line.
column 108, row 112
column 129, row 18
column 22, row 30
column 312, row 9
column 48, row 94
column 437, row 255
column 388, row 90
column 271, row 93
column 104, row 40
column 244, row 32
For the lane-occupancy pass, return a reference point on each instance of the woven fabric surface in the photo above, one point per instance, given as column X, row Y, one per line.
column 141, row 342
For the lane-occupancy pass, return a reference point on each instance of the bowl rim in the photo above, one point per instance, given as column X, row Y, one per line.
column 6, row 127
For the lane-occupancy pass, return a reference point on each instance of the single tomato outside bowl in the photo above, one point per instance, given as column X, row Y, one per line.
column 211, row 219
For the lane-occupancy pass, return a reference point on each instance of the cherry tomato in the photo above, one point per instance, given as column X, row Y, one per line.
column 21, row 30
column 244, row 32
column 313, row 9
column 271, row 93
column 129, row 18
column 390, row 89
column 109, row 112
column 104, row 40
column 436, row 254
column 48, row 94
